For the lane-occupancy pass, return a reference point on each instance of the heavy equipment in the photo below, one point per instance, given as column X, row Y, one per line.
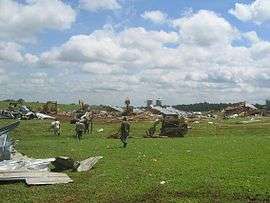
column 171, row 126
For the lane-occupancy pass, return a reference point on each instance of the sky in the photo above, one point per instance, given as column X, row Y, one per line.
column 103, row 51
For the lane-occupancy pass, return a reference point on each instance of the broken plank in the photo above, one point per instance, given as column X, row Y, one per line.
column 87, row 164
column 35, row 178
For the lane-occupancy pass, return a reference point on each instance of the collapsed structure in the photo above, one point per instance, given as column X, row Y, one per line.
column 16, row 167
column 240, row 109
column 19, row 111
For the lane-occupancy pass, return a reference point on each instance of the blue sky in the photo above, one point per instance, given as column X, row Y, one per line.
column 88, row 22
column 105, row 50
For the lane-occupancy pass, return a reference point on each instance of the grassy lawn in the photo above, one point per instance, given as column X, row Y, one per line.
column 37, row 106
column 224, row 161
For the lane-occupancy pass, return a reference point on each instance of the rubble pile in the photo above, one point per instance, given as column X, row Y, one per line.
column 241, row 109
column 23, row 113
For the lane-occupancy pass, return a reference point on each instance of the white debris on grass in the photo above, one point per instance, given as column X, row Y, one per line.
column 100, row 130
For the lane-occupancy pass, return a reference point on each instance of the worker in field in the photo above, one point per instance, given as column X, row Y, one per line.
column 79, row 129
column 87, row 119
column 55, row 126
column 124, row 130
column 86, row 123
column 91, row 122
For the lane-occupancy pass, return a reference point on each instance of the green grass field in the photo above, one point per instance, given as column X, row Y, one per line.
column 223, row 162
column 35, row 106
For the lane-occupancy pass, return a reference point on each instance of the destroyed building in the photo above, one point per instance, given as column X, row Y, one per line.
column 169, row 110
column 241, row 109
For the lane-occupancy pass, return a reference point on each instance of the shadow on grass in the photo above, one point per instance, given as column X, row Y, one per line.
column 164, row 195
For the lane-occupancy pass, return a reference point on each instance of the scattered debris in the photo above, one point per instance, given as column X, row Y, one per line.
column 5, row 142
column 4, row 114
column 14, row 166
column 35, row 177
column 100, row 130
column 233, row 116
column 44, row 116
column 87, row 164
column 66, row 163
column 23, row 112
column 168, row 110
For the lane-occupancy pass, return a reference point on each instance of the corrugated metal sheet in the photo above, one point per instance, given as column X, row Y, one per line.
column 170, row 110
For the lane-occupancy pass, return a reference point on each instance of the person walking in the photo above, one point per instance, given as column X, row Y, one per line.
column 79, row 129
column 55, row 125
column 124, row 130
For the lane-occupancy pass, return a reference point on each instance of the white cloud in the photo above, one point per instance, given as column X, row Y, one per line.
column 3, row 76
column 252, row 37
column 257, row 12
column 205, row 28
column 96, row 5
column 261, row 51
column 157, row 16
column 21, row 21
column 13, row 53
column 102, row 68
column 197, row 62
column 131, row 47
column 10, row 51
column 141, row 38
column 30, row 58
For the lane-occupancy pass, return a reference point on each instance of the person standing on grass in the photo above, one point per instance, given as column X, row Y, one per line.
column 79, row 129
column 86, row 123
column 124, row 130
column 91, row 122
column 55, row 125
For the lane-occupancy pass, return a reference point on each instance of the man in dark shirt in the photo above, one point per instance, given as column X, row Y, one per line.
column 124, row 129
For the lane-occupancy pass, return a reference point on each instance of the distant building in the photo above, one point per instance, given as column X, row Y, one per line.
column 158, row 102
column 149, row 103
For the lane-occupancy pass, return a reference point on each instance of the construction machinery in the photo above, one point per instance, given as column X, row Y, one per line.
column 50, row 108
column 171, row 126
